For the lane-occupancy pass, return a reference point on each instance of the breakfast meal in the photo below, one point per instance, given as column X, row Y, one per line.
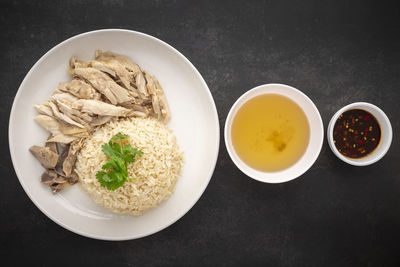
column 270, row 132
column 108, row 132
column 356, row 133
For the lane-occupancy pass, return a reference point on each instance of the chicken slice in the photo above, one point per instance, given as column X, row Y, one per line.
column 46, row 157
column 69, row 129
column 79, row 89
column 141, row 85
column 156, row 106
column 104, row 84
column 119, row 72
column 139, row 114
column 62, row 116
column 76, row 63
column 53, row 126
column 76, row 115
column 85, row 124
column 150, row 83
column 44, row 109
column 137, row 107
column 158, row 99
column 100, row 120
column 66, row 108
column 98, row 80
column 101, row 108
column 63, row 96
column 124, row 61
column 101, row 67
column 165, row 111
column 49, row 123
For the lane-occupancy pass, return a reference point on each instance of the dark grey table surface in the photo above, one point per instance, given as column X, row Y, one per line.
column 336, row 52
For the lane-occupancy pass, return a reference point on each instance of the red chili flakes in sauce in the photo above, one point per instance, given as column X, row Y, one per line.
column 356, row 133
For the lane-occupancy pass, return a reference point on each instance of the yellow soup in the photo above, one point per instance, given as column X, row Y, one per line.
column 270, row 132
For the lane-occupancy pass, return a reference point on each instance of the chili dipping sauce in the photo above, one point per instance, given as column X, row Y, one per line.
column 356, row 133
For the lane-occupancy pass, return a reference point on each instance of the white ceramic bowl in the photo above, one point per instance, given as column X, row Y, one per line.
column 386, row 134
column 194, row 122
column 314, row 145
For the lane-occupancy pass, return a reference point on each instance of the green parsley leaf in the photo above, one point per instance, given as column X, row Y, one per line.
column 108, row 150
column 118, row 136
column 129, row 153
column 115, row 170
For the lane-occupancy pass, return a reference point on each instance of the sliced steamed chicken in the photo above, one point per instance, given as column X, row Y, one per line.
column 107, row 87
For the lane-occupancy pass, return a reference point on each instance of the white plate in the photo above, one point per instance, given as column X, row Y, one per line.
column 194, row 122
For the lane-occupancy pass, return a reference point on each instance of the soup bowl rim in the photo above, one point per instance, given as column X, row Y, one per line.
column 314, row 143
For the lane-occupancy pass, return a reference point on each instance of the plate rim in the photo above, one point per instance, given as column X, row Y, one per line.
column 105, row 237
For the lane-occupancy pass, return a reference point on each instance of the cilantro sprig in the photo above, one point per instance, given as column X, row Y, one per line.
column 115, row 172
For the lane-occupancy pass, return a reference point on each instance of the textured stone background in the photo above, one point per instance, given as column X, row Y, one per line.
column 337, row 52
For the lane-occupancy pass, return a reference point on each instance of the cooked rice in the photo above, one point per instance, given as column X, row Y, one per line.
column 156, row 171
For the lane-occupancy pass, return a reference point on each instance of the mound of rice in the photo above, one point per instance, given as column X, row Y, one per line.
column 156, row 171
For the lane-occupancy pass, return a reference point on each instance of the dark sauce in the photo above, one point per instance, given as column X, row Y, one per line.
column 356, row 133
